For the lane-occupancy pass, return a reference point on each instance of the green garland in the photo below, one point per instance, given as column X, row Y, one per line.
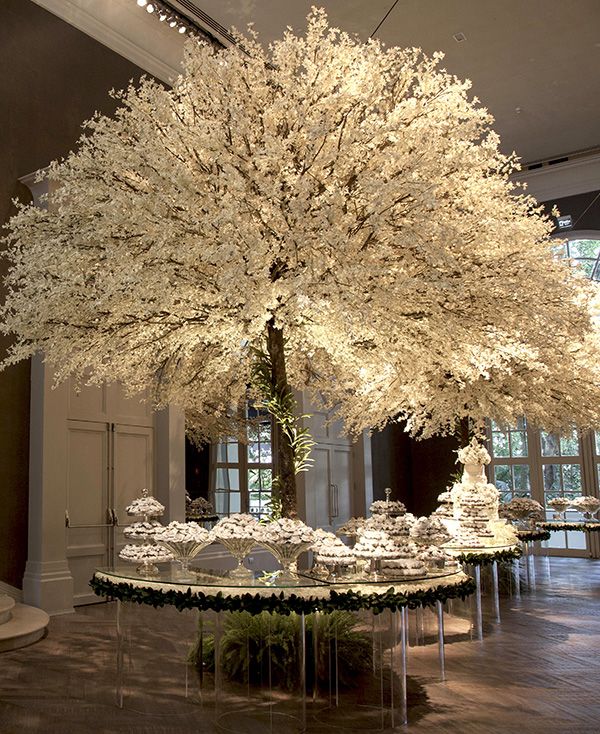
column 350, row 601
column 484, row 559
column 588, row 527
column 528, row 536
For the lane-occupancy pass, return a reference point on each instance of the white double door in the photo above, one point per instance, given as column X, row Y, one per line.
column 328, row 485
column 110, row 459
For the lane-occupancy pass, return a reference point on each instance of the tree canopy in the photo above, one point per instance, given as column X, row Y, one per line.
column 350, row 196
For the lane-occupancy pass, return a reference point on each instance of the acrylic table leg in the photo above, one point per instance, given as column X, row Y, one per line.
column 526, row 558
column 217, row 654
column 495, row 591
column 420, row 633
column 516, row 567
column 120, row 655
column 303, row 667
column 403, row 697
column 441, row 651
column 315, row 635
column 478, row 613
column 337, row 676
column 531, row 561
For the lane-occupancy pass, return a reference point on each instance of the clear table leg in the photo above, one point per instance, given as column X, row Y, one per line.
column 441, row 651
column 495, row 591
column 478, row 612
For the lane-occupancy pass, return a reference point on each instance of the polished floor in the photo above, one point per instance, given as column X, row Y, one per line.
column 535, row 672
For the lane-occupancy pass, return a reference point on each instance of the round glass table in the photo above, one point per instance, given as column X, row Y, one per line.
column 314, row 607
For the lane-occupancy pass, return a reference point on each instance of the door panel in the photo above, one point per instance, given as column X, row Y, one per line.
column 87, row 503
column 133, row 470
column 341, row 479
column 317, row 488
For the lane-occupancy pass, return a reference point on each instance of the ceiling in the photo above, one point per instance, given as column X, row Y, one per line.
column 533, row 63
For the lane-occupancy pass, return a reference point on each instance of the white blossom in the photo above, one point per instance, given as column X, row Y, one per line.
column 350, row 194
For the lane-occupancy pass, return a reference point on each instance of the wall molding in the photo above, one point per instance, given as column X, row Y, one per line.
column 144, row 41
column 578, row 176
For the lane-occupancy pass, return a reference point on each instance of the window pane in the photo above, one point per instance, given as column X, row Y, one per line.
column 265, row 453
column 503, row 481
column 521, row 483
column 584, row 248
column 228, row 479
column 550, row 444
column 518, row 443
column 266, row 479
column 552, row 483
column 569, row 446
column 587, row 266
column 222, row 453
column 265, row 432
column 500, row 444
column 253, row 479
column 571, row 478
column 253, row 453
column 233, row 453
column 235, row 502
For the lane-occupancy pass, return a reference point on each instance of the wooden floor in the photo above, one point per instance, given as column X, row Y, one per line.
column 537, row 672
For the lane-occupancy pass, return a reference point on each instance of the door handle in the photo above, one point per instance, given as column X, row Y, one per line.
column 333, row 502
column 115, row 517
column 109, row 524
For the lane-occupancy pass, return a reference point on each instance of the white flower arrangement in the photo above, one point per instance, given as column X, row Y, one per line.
column 559, row 504
column 239, row 525
column 182, row 532
column 522, row 508
column 474, row 453
column 586, row 504
column 145, row 553
column 145, row 505
column 285, row 531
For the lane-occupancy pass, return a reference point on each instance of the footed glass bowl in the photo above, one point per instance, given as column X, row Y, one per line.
column 287, row 555
column 184, row 551
column 239, row 548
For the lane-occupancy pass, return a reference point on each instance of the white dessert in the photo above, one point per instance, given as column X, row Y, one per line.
column 145, row 505
column 375, row 544
column 330, row 550
column 239, row 525
column 145, row 553
column 182, row 532
column 393, row 508
column 428, row 531
column 141, row 530
column 285, row 531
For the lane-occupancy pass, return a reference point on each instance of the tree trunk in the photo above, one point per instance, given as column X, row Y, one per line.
column 285, row 454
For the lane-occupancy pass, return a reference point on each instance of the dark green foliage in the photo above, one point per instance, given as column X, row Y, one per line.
column 349, row 600
column 483, row 559
column 267, row 647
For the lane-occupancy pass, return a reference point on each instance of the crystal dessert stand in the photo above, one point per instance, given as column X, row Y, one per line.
column 381, row 608
column 474, row 559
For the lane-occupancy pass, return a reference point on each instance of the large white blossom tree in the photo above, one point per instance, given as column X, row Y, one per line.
column 341, row 207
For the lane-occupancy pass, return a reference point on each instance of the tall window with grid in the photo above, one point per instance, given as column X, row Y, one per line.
column 242, row 473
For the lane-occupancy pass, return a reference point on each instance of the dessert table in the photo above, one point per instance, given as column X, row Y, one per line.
column 381, row 603
column 587, row 526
